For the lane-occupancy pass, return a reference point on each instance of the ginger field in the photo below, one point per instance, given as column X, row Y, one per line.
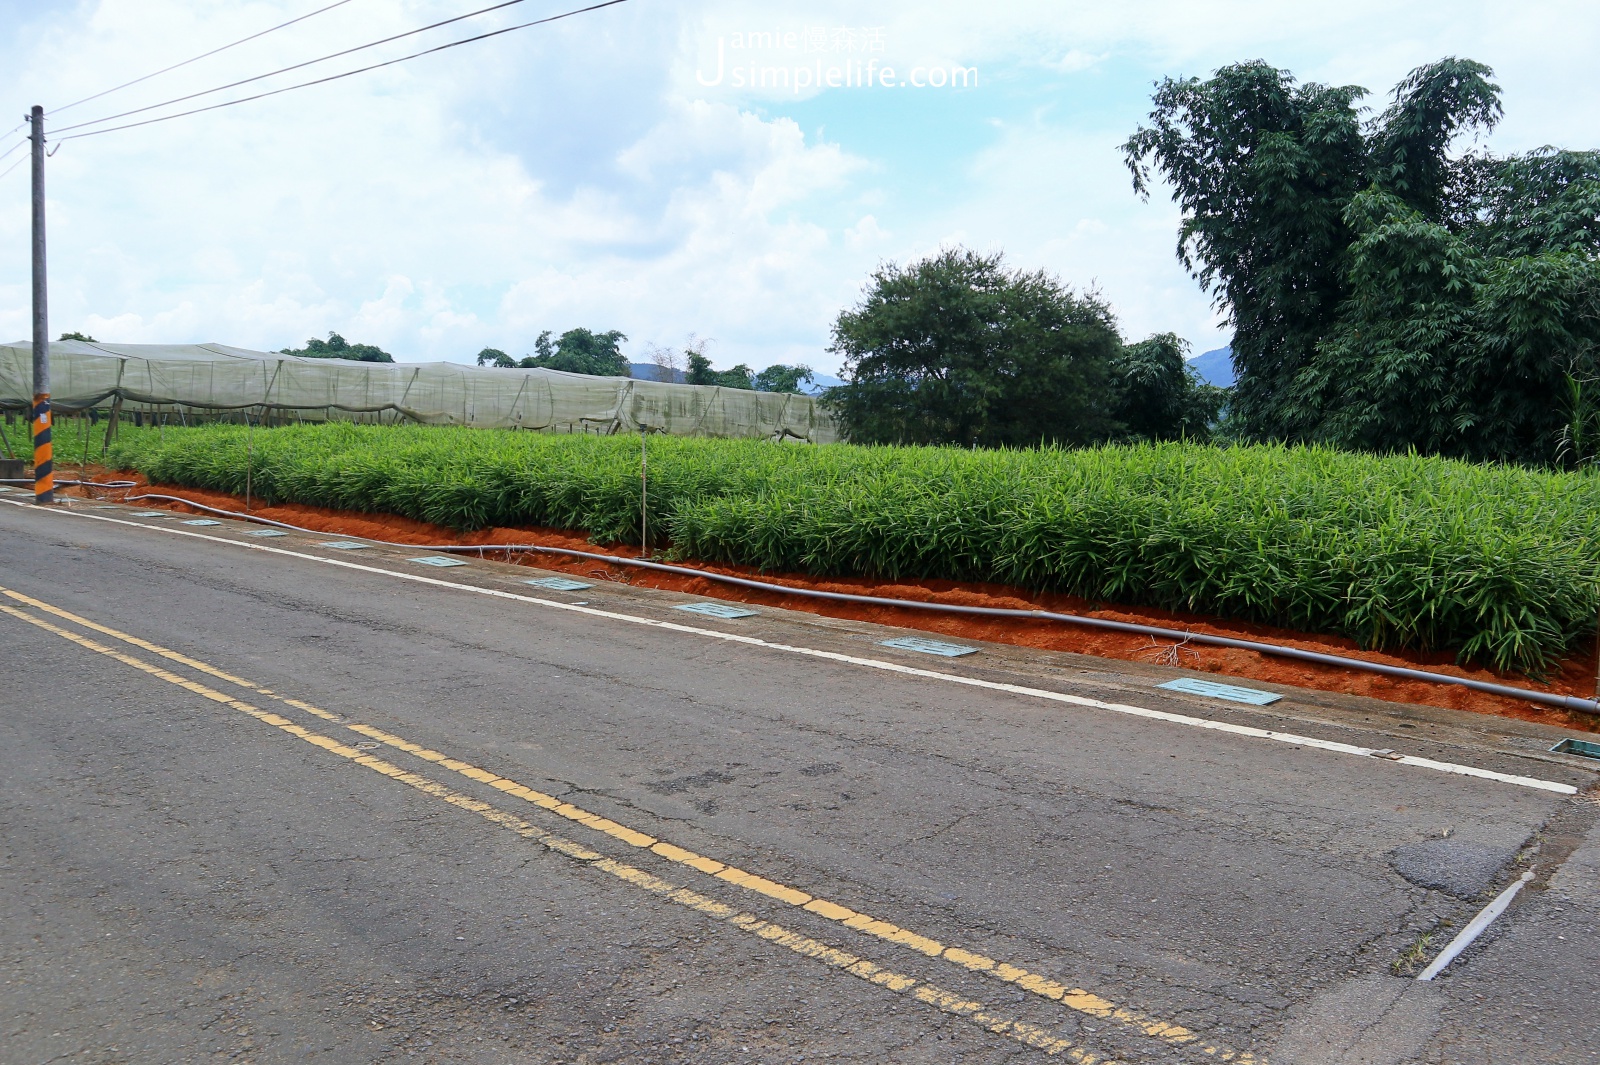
column 1498, row 564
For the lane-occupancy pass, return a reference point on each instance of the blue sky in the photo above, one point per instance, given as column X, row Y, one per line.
column 584, row 174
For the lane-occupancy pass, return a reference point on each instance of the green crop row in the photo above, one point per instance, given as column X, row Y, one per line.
column 1498, row 564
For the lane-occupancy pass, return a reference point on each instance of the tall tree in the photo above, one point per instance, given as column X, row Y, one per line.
column 1158, row 395
column 580, row 351
column 958, row 349
column 701, row 372
column 1449, row 349
column 336, row 347
column 780, row 378
column 1266, row 172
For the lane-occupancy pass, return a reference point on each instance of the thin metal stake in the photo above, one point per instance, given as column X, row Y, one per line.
column 249, row 456
column 83, row 462
column 644, row 494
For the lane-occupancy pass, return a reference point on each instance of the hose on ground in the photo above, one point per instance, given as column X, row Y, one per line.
column 27, row 482
column 1552, row 699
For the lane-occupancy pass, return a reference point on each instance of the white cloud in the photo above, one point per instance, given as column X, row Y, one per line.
column 577, row 175
column 1076, row 59
column 866, row 234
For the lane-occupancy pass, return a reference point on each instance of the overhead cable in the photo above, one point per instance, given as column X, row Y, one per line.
column 203, row 55
column 346, row 74
column 307, row 63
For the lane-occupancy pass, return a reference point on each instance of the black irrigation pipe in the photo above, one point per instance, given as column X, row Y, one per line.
column 27, row 482
column 1563, row 702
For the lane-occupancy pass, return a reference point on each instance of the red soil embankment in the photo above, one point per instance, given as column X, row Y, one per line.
column 1576, row 675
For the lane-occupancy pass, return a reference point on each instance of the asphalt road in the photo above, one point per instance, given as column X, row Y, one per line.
column 255, row 806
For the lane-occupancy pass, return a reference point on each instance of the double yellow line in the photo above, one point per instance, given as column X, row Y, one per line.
column 1075, row 999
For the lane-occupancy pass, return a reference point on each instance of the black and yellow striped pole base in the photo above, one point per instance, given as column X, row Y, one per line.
column 44, row 475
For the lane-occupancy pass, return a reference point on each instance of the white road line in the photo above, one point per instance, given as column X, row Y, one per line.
column 1475, row 928
column 870, row 663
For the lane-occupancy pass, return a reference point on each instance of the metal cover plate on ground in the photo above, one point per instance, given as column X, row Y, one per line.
column 929, row 647
column 201, row 521
column 717, row 610
column 437, row 560
column 558, row 584
column 1231, row 692
column 344, row 545
column 151, row 514
column 269, row 532
column 7, row 488
column 1581, row 748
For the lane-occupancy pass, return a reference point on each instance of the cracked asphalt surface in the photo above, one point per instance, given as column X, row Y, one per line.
column 181, row 882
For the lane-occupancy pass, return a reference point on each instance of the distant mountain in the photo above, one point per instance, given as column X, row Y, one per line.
column 647, row 371
column 821, row 382
column 1215, row 367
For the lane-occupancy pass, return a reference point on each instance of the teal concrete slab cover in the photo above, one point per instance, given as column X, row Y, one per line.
column 1231, row 692
column 717, row 610
column 4, row 488
column 202, row 521
column 269, row 532
column 151, row 514
column 1581, row 748
column 442, row 561
column 344, row 545
column 558, row 584
column 929, row 647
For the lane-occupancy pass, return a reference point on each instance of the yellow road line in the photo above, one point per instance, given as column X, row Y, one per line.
column 945, row 1001
column 1074, row 998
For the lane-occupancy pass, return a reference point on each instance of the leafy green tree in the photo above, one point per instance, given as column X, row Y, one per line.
column 1434, row 104
column 1265, row 172
column 495, row 357
column 779, row 378
column 958, row 349
column 580, row 351
column 1385, row 295
column 1158, row 395
column 1545, row 201
column 336, row 347
column 1449, row 350
column 701, row 372
column 739, row 376
column 79, row 336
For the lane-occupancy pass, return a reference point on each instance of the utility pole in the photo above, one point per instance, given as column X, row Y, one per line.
column 44, row 482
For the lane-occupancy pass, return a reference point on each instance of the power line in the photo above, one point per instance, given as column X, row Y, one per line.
column 14, row 165
column 296, row 66
column 14, row 147
column 203, row 55
column 346, row 74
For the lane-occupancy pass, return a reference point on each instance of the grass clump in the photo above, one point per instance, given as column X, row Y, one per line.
column 1497, row 564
